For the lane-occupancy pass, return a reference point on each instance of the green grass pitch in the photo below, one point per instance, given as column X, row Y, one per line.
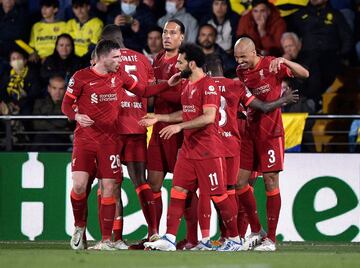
column 289, row 255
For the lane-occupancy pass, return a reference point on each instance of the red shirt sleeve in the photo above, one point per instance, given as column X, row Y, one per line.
column 245, row 95
column 211, row 97
column 73, row 91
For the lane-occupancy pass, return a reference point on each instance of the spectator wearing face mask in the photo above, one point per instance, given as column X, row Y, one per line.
column 135, row 20
column 175, row 10
column 19, row 86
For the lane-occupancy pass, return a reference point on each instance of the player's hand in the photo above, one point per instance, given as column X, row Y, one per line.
column 175, row 79
column 148, row 120
column 275, row 65
column 291, row 96
column 167, row 132
column 84, row 120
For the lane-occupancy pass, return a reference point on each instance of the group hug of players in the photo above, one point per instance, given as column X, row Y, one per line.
column 199, row 134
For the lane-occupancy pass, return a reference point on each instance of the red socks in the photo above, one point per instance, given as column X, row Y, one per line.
column 79, row 205
column 273, row 205
column 247, row 200
column 148, row 207
column 107, row 212
column 158, row 207
column 175, row 211
column 204, row 213
column 118, row 228
column 191, row 217
column 228, row 213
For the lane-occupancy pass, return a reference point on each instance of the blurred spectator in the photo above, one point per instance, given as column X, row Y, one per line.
column 63, row 61
column 311, row 87
column 51, row 105
column 199, row 8
column 175, row 10
column 13, row 26
column 84, row 29
column 241, row 7
column 357, row 27
column 325, row 36
column 214, row 54
column 157, row 7
column 264, row 25
column 20, row 86
column 225, row 21
column 346, row 8
column 135, row 20
column 154, row 43
column 44, row 33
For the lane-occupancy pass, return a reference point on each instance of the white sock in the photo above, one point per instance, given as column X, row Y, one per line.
column 205, row 239
column 171, row 237
column 236, row 239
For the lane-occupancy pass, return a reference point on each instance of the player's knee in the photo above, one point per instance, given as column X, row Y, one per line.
column 271, row 181
column 79, row 186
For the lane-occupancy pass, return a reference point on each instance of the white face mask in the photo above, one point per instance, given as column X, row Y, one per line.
column 128, row 9
column 17, row 64
column 170, row 7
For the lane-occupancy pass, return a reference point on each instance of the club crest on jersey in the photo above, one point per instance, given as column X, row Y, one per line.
column 94, row 98
column 71, row 82
column 261, row 74
column 113, row 82
column 192, row 93
column 211, row 91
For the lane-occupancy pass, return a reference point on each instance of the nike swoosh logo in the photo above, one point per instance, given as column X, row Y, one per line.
column 269, row 166
column 213, row 189
column 77, row 243
column 115, row 171
column 92, row 83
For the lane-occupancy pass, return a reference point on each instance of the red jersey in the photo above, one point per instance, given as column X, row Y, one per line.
column 97, row 96
column 232, row 94
column 132, row 107
column 205, row 142
column 265, row 86
column 163, row 69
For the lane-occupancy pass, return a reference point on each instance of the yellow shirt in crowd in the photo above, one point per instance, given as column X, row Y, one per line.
column 84, row 35
column 43, row 36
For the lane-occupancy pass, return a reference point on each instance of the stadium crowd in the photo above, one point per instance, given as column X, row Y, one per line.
column 269, row 47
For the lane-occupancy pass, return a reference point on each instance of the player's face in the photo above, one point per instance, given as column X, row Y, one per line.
column 183, row 65
column 56, row 89
column 112, row 61
column 219, row 8
column 154, row 41
column 64, row 47
column 244, row 57
column 48, row 12
column 172, row 37
column 206, row 37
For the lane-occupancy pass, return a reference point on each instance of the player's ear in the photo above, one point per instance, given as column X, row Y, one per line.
column 182, row 37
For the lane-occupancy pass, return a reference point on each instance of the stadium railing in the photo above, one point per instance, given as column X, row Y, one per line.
column 323, row 133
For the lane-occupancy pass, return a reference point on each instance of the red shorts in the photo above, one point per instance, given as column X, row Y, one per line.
column 162, row 154
column 232, row 169
column 207, row 174
column 133, row 148
column 262, row 155
column 106, row 156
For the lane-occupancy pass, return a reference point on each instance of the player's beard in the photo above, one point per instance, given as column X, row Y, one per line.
column 186, row 73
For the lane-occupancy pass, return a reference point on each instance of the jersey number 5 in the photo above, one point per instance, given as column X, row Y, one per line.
column 130, row 69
